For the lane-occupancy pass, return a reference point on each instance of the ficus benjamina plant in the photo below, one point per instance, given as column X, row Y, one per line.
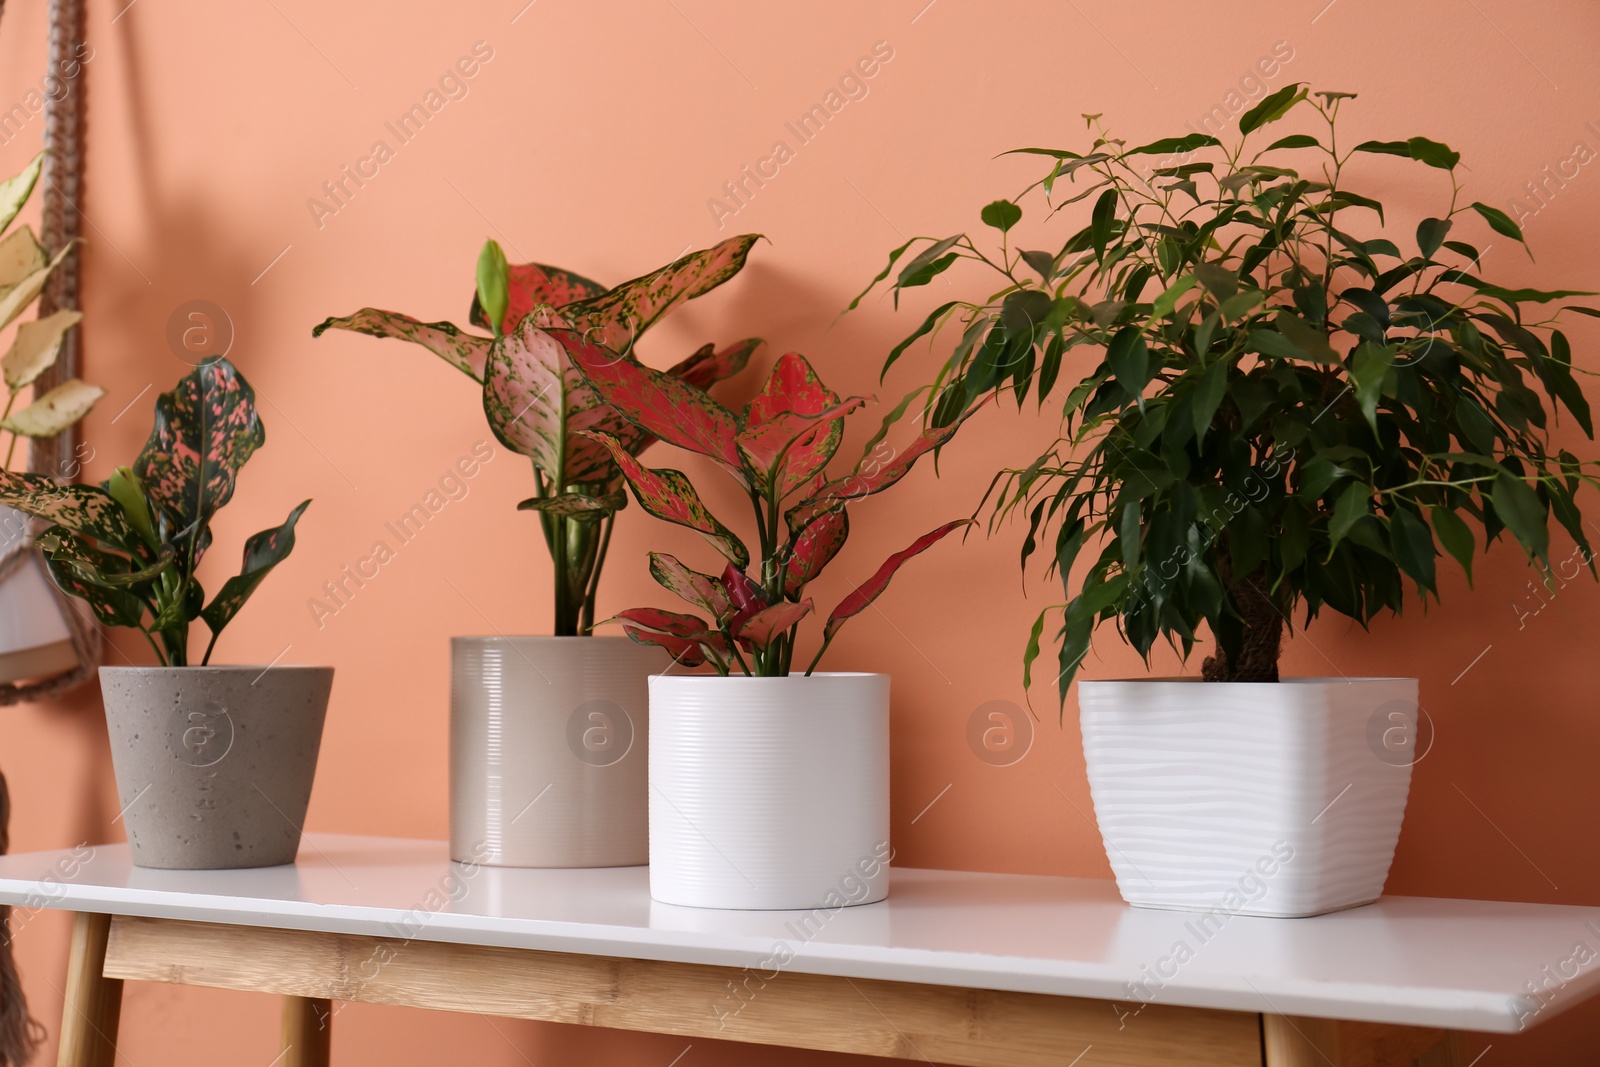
column 130, row 547
column 1263, row 406
column 777, row 449
column 537, row 402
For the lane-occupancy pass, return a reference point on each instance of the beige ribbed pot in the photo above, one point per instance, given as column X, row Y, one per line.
column 548, row 764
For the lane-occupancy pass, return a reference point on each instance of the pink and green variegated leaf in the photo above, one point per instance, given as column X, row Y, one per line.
column 83, row 509
column 873, row 587
column 205, row 430
column 668, row 495
column 577, row 505
column 748, row 597
column 464, row 351
column 686, row 651
column 113, row 607
column 661, row 405
column 531, row 285
column 870, row 476
column 787, row 450
column 537, row 401
column 661, row 621
column 814, row 549
column 701, row 590
column 768, row 624
column 710, row 365
column 617, row 318
column 262, row 552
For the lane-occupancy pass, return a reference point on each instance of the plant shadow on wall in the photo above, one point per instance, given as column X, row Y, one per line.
column 1277, row 413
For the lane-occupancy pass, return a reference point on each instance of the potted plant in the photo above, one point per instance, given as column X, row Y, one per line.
column 214, row 764
column 36, row 638
column 558, row 721
column 1264, row 412
column 769, row 783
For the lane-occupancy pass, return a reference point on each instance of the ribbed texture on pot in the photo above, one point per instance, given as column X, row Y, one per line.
column 769, row 792
column 1202, row 788
column 548, row 737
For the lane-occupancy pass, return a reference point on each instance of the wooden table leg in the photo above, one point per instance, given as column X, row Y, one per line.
column 1297, row 1041
column 93, row 1002
column 307, row 1032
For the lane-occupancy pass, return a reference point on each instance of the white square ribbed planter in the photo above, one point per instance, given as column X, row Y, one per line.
column 769, row 792
column 1250, row 798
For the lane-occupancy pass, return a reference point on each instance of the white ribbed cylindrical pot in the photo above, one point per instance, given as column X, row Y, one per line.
column 547, row 750
column 769, row 793
column 1249, row 798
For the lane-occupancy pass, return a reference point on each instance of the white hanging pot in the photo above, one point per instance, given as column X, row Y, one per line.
column 1250, row 798
column 769, row 793
column 34, row 639
column 547, row 750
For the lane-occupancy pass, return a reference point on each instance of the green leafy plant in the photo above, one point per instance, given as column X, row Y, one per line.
column 777, row 450
column 131, row 546
column 539, row 405
column 25, row 268
column 1261, row 409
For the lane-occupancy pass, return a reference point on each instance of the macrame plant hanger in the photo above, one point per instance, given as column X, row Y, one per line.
column 62, row 180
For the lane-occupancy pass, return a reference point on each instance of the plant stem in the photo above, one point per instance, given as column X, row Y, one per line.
column 587, row 625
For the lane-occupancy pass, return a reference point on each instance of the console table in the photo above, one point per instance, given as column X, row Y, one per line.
column 987, row 970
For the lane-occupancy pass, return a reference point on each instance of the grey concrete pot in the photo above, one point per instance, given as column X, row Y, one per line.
column 548, row 740
column 214, row 764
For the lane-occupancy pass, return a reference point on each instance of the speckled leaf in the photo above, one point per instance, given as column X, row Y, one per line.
column 262, row 552
column 615, row 319
column 869, row 590
column 766, row 625
column 113, row 607
column 686, row 652
column 464, row 351
column 36, row 346
column 868, row 478
column 710, row 365
column 577, row 505
column 533, row 284
column 55, row 410
column 97, row 567
column 20, row 256
column 661, row 405
column 537, row 401
column 748, row 598
column 815, row 548
column 668, row 495
column 14, row 191
column 701, row 590
column 659, row 620
column 793, row 426
column 83, row 509
column 205, row 430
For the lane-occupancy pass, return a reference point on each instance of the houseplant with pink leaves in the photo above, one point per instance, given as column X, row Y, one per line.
column 769, row 789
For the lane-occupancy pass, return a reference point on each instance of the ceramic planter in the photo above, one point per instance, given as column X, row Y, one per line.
column 34, row 639
column 1250, row 798
column 547, row 750
column 214, row 764
column 769, row 792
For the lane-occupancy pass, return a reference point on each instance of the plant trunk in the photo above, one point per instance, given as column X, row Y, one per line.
column 1261, row 642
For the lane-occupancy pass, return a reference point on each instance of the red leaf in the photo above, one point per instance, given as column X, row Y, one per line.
column 748, row 597
column 667, row 494
column 708, row 366
column 869, row 477
column 766, row 625
column 660, row 621
column 869, row 590
column 531, row 284
column 686, row 651
column 666, row 407
column 814, row 549
column 615, row 319
column 792, row 427
column 701, row 590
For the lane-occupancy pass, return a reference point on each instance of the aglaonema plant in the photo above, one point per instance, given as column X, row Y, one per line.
column 25, row 268
column 777, row 450
column 1264, row 407
column 131, row 547
column 539, row 405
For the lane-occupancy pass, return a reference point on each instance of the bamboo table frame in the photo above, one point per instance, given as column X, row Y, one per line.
column 968, row 969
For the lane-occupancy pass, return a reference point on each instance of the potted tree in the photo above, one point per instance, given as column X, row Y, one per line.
column 769, row 783
column 214, row 764
column 558, row 721
column 37, row 639
column 1266, row 413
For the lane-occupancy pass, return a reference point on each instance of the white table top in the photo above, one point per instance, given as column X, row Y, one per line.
column 1408, row 960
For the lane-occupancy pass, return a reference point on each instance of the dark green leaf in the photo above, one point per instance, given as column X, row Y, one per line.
column 1129, row 360
column 1455, row 536
column 1001, row 214
column 1498, row 220
column 262, row 552
column 1431, row 234
column 1520, row 508
column 1272, row 108
column 1412, row 544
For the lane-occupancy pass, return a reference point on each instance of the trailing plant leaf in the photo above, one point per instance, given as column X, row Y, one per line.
column 53, row 412
column 35, row 347
column 14, row 302
column 14, row 191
